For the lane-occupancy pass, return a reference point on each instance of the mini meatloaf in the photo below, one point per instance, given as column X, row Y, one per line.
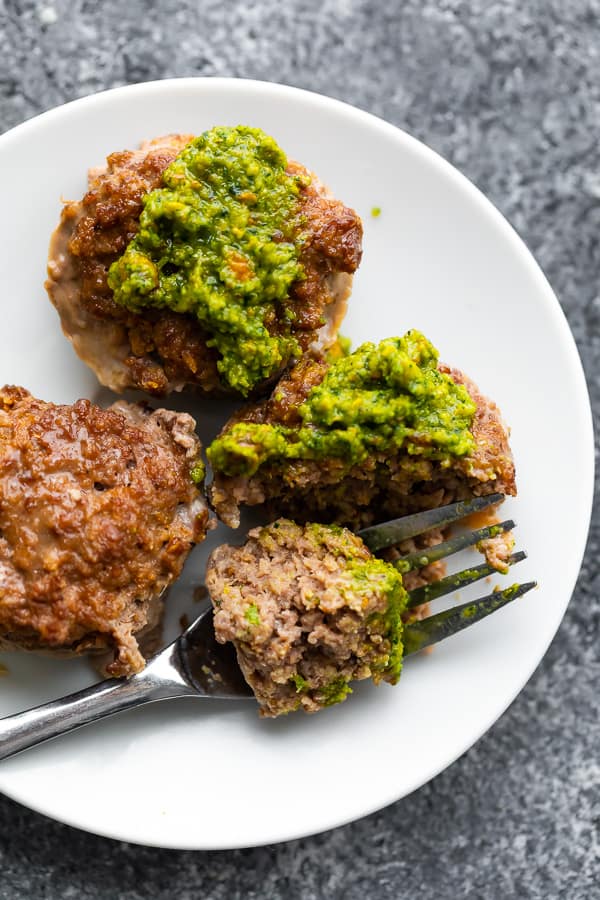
column 98, row 512
column 309, row 610
column 384, row 432
column 209, row 261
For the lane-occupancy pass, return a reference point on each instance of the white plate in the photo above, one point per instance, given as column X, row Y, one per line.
column 439, row 258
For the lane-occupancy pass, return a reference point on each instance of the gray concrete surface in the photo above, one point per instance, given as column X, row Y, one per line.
column 510, row 93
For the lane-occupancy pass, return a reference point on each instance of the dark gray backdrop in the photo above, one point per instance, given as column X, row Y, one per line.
column 508, row 91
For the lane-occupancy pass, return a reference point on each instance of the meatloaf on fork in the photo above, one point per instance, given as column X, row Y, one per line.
column 99, row 509
column 159, row 348
column 309, row 610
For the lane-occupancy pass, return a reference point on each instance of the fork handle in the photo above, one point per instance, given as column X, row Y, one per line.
column 34, row 726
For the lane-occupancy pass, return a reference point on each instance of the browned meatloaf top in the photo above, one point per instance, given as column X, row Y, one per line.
column 161, row 350
column 382, row 487
column 97, row 515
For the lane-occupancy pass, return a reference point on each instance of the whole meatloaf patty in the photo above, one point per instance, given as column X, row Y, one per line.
column 309, row 610
column 98, row 512
column 158, row 350
column 386, row 483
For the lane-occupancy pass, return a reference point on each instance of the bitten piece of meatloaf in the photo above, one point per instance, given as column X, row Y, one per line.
column 98, row 512
column 309, row 610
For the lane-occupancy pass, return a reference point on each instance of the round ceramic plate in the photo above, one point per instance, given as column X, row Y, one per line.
column 440, row 258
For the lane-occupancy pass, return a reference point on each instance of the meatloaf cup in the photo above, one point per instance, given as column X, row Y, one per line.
column 211, row 261
column 384, row 432
column 99, row 509
column 309, row 610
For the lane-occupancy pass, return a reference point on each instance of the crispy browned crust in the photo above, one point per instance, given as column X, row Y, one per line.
column 163, row 351
column 97, row 515
column 382, row 487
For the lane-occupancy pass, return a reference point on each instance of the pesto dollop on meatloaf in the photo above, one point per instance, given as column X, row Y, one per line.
column 377, row 434
column 99, row 509
column 309, row 610
column 211, row 261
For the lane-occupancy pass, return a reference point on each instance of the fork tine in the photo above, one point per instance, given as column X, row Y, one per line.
column 435, row 628
column 421, row 558
column 377, row 537
column 450, row 583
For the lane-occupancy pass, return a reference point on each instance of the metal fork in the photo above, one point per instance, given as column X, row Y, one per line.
column 195, row 665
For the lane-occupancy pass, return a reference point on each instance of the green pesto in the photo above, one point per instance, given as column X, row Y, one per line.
column 220, row 241
column 369, row 575
column 251, row 614
column 334, row 692
column 508, row 593
column 495, row 530
column 403, row 565
column 346, row 543
column 301, row 683
column 384, row 398
column 376, row 574
column 469, row 612
column 389, row 624
column 197, row 472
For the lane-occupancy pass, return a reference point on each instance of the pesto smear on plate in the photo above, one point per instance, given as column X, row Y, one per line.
column 384, row 397
column 221, row 241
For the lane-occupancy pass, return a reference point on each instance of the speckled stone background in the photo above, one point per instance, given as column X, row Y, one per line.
column 508, row 91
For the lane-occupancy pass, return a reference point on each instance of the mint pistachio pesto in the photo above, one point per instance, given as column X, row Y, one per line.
column 376, row 575
column 220, row 241
column 362, row 577
column 198, row 472
column 383, row 398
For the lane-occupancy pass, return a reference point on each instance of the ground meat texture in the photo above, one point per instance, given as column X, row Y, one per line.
column 386, row 485
column 309, row 610
column 161, row 351
column 98, row 513
column 497, row 550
